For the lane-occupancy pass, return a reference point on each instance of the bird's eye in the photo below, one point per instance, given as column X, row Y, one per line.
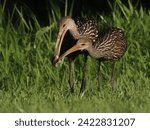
column 82, row 44
column 64, row 25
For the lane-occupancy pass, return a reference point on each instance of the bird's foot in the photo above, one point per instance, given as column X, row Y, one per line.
column 71, row 84
column 71, row 89
column 98, row 89
column 83, row 86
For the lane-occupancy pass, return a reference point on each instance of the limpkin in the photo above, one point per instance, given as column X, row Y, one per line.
column 84, row 28
column 111, row 44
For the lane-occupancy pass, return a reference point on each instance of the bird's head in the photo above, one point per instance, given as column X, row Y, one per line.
column 82, row 44
column 65, row 24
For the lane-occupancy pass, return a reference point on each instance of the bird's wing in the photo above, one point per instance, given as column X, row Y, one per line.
column 87, row 28
column 111, row 43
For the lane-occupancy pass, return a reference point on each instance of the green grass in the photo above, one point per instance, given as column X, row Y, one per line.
column 29, row 83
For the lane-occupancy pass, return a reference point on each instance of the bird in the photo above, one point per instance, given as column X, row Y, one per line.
column 111, row 44
column 80, row 28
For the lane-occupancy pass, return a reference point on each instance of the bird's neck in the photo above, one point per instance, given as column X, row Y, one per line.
column 74, row 32
column 94, row 53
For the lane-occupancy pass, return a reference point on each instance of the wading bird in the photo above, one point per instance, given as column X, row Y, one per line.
column 78, row 29
column 110, row 45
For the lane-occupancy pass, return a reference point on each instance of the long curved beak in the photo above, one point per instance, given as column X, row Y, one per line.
column 76, row 47
column 58, row 44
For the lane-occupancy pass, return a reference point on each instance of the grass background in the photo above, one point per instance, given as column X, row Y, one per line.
column 29, row 82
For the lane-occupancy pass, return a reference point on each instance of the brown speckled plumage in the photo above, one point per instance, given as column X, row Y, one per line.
column 87, row 29
column 110, row 44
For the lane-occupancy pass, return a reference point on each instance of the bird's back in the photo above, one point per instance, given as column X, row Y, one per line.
column 111, row 44
column 87, row 28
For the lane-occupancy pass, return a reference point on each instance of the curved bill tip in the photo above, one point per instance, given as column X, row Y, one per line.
column 55, row 60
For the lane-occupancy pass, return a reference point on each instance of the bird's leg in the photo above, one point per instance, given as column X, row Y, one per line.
column 99, row 76
column 113, row 75
column 83, row 84
column 71, row 84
